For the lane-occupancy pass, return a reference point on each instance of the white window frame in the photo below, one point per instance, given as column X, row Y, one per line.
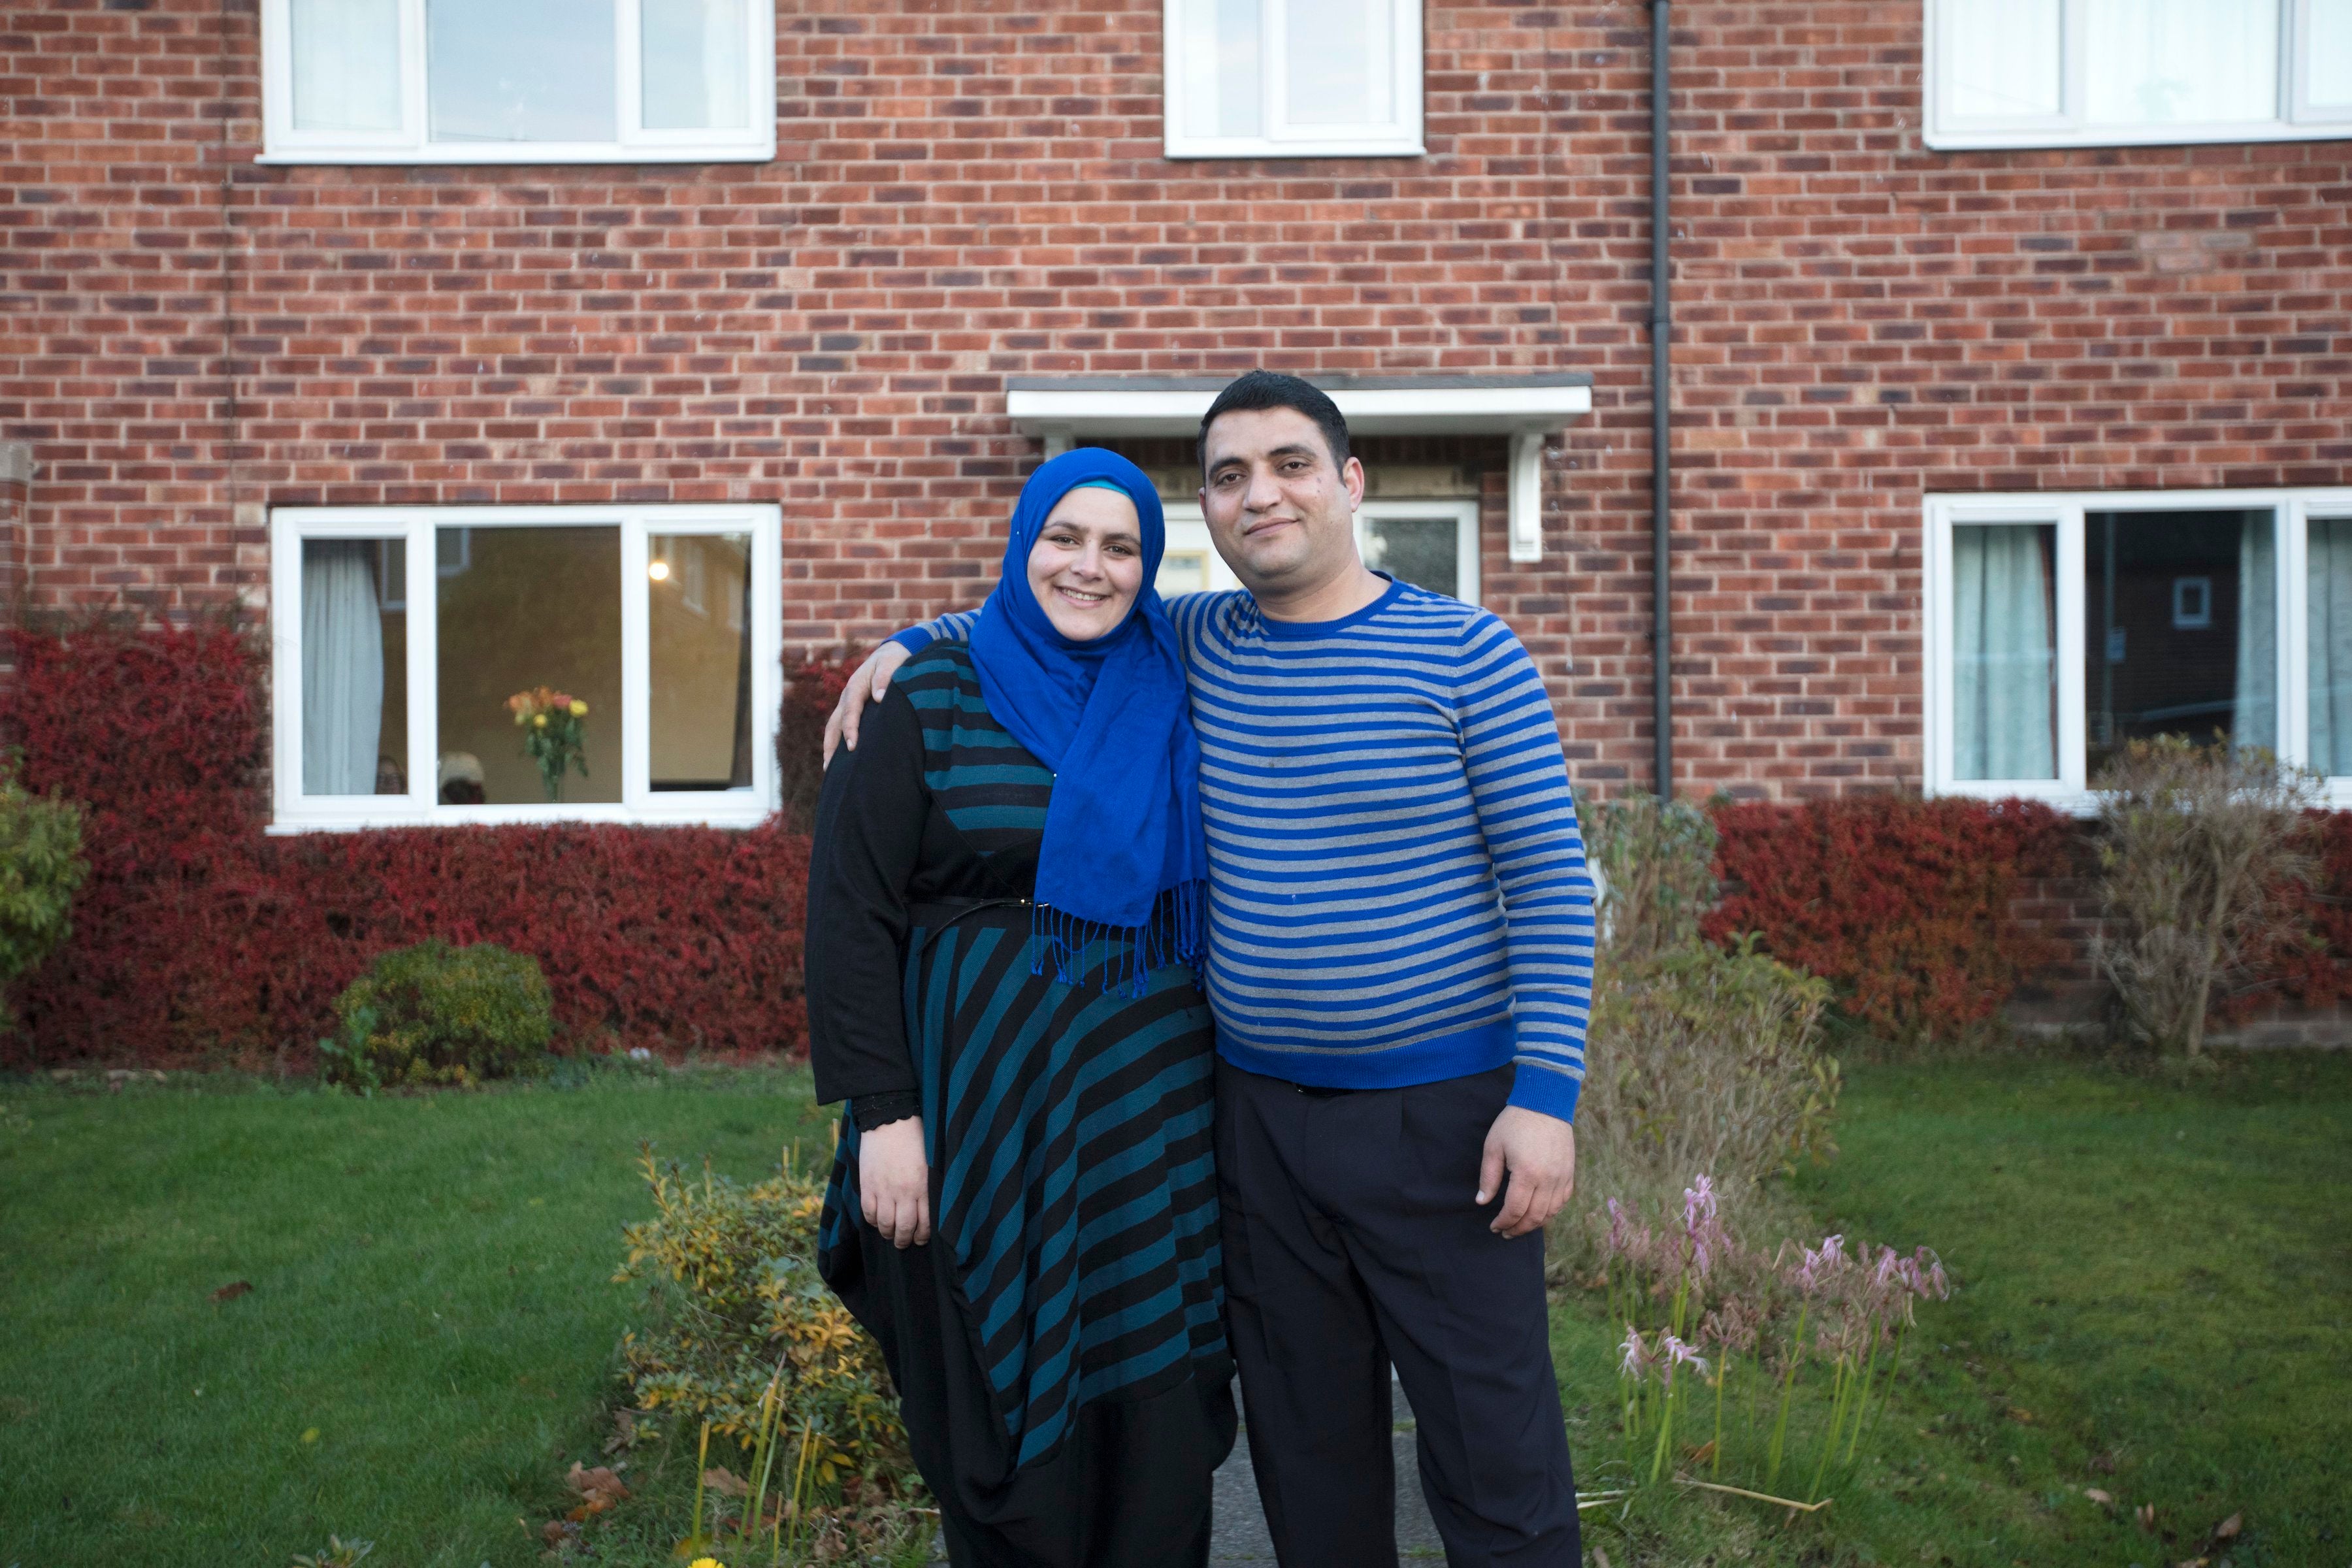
column 2299, row 121
column 1398, row 139
column 1189, row 530
column 297, row 812
column 754, row 142
column 2292, row 511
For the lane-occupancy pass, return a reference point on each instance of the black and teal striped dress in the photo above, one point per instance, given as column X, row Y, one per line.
column 1059, row 1346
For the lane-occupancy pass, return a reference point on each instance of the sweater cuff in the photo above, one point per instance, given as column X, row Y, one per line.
column 872, row 1110
column 914, row 639
column 1546, row 1089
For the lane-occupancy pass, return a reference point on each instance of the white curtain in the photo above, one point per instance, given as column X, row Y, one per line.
column 694, row 75
column 2253, row 720
column 2180, row 61
column 346, row 61
column 342, row 668
column 2003, row 653
column 2330, row 590
column 2000, row 58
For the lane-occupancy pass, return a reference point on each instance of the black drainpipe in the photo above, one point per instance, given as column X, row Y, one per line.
column 1662, row 330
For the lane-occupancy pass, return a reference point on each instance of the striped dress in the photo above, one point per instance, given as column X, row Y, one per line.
column 1059, row 1346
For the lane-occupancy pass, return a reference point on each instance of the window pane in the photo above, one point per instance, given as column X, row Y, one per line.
column 2165, row 62
column 694, row 65
column 1223, row 79
column 1183, row 572
column 354, row 666
column 346, row 64
column 1416, row 549
column 2182, row 626
column 2001, row 59
column 1339, row 68
column 527, row 608
column 699, row 625
column 2328, row 594
column 2004, row 647
column 520, row 70
column 2329, row 85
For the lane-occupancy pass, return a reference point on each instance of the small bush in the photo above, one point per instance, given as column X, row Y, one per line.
column 41, row 869
column 1654, row 861
column 745, row 1336
column 2199, row 850
column 433, row 1014
column 1907, row 906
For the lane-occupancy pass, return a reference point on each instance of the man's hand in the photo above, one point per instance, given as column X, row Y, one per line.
column 1539, row 1153
column 872, row 680
column 894, row 1182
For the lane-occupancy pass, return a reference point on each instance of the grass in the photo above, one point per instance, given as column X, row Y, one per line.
column 428, row 1338
column 2156, row 1302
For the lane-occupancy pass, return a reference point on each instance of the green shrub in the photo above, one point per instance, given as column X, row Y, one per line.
column 41, row 869
column 1654, row 861
column 745, row 1336
column 433, row 1014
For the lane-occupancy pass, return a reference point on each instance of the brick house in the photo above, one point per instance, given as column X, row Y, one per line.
column 633, row 346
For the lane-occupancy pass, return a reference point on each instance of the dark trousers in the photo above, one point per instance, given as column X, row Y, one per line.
column 1352, row 1243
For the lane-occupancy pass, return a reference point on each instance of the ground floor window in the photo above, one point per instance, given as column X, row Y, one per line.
column 525, row 663
column 1432, row 544
column 2060, row 627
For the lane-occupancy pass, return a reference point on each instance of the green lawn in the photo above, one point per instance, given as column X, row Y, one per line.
column 2156, row 1302
column 430, row 1297
column 2156, row 1280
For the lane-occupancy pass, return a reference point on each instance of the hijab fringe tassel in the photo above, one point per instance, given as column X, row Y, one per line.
column 1176, row 933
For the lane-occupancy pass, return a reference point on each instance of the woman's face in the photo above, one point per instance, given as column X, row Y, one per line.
column 1087, row 566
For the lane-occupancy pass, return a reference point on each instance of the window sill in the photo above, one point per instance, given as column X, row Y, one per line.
column 524, row 152
column 1241, row 149
column 2047, row 139
column 363, row 821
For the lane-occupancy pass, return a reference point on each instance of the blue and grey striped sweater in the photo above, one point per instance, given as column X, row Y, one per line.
column 1397, row 883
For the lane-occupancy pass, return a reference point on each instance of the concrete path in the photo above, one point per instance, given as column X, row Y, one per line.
column 1238, row 1535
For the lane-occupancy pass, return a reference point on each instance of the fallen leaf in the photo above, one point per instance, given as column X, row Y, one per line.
column 624, row 1432
column 1600, row 1559
column 725, row 1482
column 231, row 1292
column 1702, row 1453
column 599, row 1489
column 310, row 1433
column 2227, row 1530
column 2145, row 1516
column 2105, row 1500
column 2022, row 1417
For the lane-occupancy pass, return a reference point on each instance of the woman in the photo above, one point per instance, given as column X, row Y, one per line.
column 1006, row 910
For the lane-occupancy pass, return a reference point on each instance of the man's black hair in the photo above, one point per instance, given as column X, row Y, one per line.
column 1271, row 389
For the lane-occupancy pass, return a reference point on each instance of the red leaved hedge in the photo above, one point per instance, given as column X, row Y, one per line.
column 200, row 938
column 1906, row 905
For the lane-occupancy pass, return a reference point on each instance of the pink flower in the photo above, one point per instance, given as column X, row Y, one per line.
column 1637, row 1359
column 1677, row 1354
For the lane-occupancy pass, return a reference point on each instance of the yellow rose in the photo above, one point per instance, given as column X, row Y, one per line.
column 579, row 709
column 538, row 720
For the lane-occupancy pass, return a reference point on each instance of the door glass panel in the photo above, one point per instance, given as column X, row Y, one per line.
column 699, row 628
column 1421, row 551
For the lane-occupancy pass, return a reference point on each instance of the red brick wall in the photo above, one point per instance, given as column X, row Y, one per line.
column 972, row 190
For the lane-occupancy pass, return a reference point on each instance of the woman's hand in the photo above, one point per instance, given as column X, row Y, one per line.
column 894, row 1182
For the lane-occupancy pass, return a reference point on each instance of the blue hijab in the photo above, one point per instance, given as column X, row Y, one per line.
column 1123, row 856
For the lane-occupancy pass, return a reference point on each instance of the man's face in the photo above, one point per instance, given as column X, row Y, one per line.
column 1279, row 511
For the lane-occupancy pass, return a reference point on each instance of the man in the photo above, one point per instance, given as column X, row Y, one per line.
column 1399, row 968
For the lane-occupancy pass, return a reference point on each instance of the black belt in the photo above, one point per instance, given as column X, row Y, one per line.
column 1316, row 1091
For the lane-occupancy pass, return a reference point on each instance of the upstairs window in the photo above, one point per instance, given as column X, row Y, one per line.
column 518, row 81
column 1293, row 78
column 2055, row 73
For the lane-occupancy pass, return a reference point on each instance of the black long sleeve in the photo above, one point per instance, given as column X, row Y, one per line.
column 870, row 822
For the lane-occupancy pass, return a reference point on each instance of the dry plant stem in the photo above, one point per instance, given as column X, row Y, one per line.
column 1788, row 1387
column 702, row 1460
column 1788, row 1503
column 1722, row 1376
